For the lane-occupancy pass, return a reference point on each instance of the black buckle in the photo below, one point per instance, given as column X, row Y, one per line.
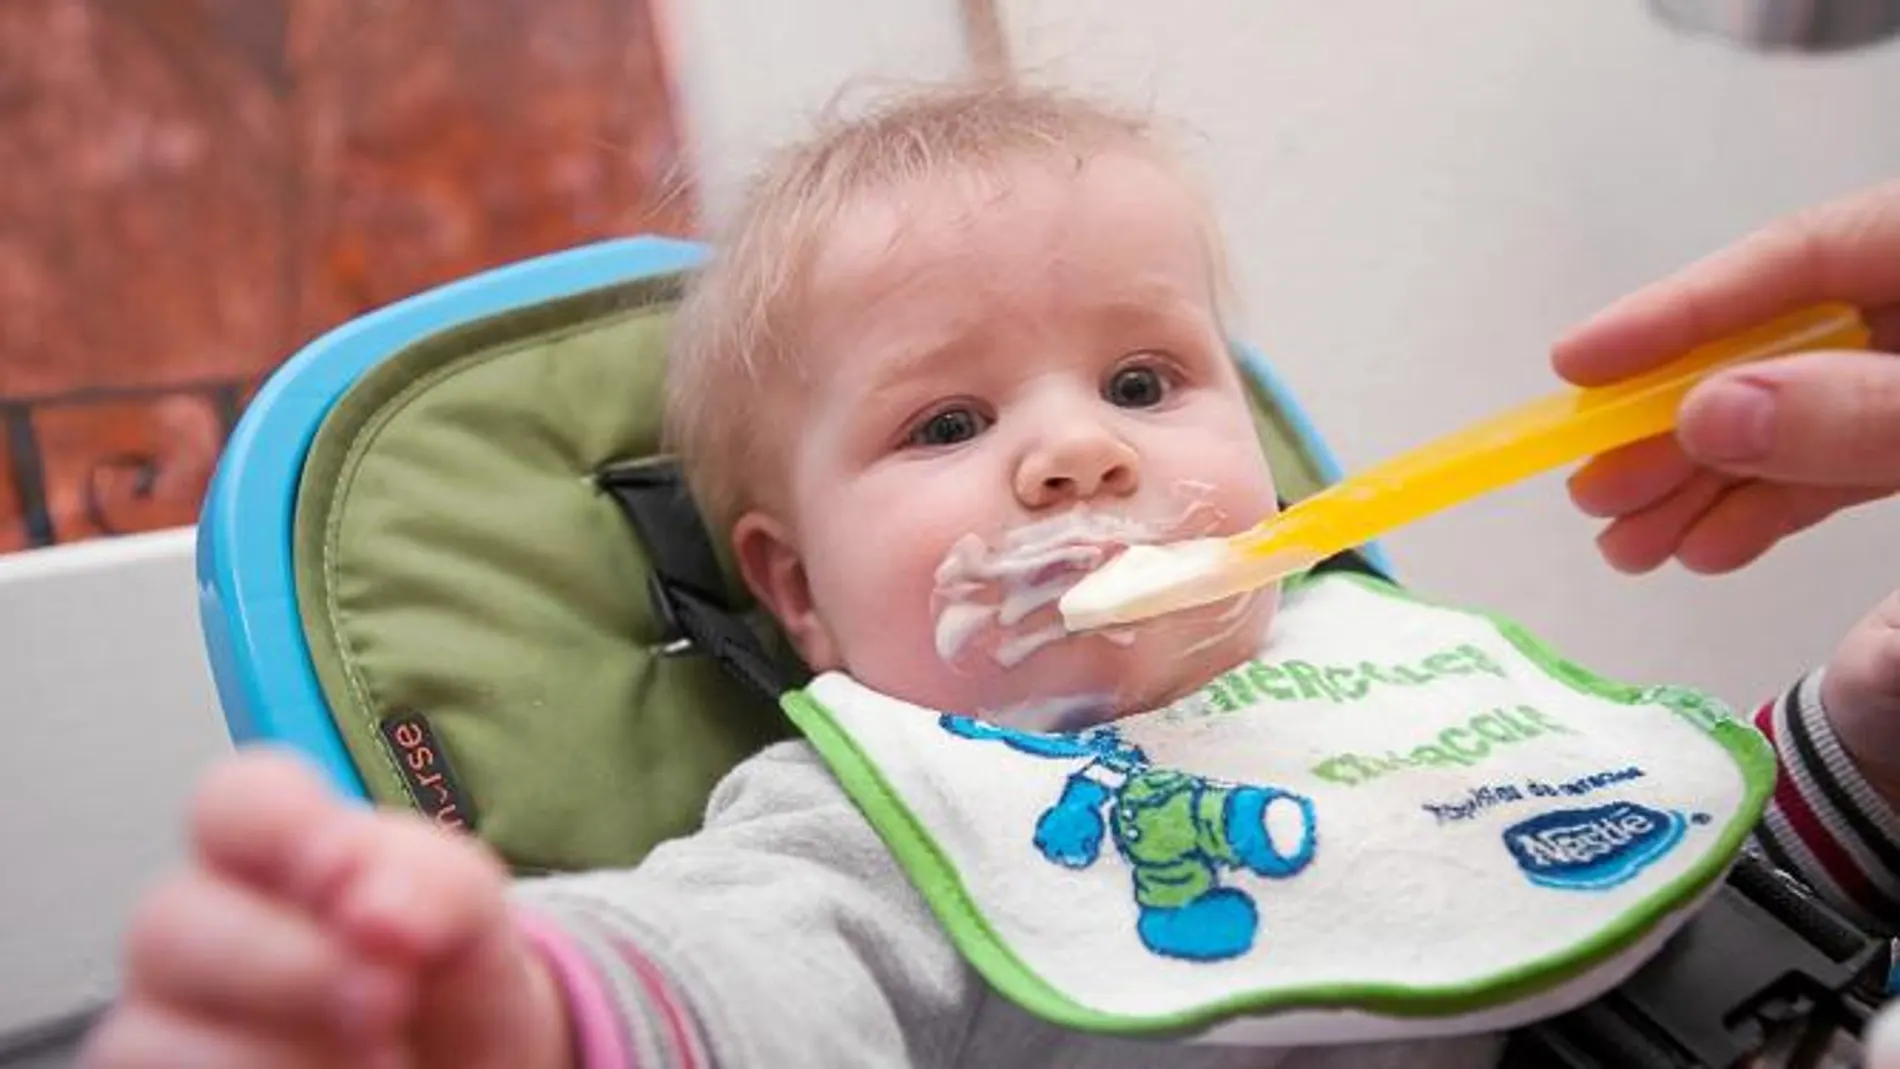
column 1766, row 975
column 660, row 596
column 685, row 584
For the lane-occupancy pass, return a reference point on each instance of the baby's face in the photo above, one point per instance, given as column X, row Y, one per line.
column 1006, row 382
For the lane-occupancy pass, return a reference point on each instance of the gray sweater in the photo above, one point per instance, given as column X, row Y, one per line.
column 784, row 934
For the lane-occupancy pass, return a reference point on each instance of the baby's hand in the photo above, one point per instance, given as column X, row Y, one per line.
column 1861, row 691
column 304, row 932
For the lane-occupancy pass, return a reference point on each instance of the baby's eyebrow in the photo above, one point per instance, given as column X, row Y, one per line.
column 910, row 359
column 1124, row 308
column 1149, row 303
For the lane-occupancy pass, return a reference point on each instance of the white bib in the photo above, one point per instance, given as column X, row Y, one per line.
column 1400, row 820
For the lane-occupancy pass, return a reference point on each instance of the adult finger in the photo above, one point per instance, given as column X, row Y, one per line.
column 1750, row 519
column 1823, row 419
column 1631, row 479
column 1846, row 250
column 1642, row 541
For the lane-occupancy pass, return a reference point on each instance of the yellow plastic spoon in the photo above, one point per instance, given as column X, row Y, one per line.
column 1563, row 428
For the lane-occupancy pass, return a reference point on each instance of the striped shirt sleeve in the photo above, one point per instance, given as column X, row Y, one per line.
column 622, row 1012
column 783, row 932
column 1825, row 823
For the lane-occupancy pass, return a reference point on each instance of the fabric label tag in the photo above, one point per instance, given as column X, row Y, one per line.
column 425, row 770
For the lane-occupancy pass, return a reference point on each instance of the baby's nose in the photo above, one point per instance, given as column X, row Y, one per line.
column 1077, row 467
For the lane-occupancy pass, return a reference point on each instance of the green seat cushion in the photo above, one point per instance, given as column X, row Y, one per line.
column 456, row 561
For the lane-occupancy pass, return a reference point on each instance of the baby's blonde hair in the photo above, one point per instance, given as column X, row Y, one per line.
column 732, row 334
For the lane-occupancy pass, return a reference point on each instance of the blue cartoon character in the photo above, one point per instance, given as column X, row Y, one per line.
column 1178, row 832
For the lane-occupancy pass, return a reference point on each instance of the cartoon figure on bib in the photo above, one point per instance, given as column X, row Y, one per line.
column 1177, row 831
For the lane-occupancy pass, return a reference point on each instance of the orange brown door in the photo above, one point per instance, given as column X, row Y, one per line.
column 190, row 190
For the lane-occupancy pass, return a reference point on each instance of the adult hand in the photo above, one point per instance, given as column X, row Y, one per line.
column 1765, row 450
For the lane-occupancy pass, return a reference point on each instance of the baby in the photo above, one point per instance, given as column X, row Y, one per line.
column 951, row 355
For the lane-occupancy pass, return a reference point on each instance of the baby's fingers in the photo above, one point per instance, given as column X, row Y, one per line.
column 211, row 949
column 1861, row 691
column 405, row 890
column 391, row 884
column 1864, row 676
column 142, row 1036
column 264, row 819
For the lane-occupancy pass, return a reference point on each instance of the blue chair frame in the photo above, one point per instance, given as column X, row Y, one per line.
column 260, row 661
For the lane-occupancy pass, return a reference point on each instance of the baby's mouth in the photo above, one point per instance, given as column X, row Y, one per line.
column 995, row 600
column 1085, row 557
column 999, row 599
column 1060, row 548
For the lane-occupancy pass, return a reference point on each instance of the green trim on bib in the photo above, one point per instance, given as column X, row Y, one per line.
column 943, row 888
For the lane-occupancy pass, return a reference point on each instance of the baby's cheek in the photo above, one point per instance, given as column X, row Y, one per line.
column 884, row 615
column 1242, row 494
column 903, row 663
column 1250, row 490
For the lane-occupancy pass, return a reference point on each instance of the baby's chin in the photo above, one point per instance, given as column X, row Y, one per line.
column 1089, row 679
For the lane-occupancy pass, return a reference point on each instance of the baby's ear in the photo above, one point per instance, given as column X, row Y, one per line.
column 769, row 561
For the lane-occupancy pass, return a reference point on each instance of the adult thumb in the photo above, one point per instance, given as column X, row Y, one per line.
column 1819, row 419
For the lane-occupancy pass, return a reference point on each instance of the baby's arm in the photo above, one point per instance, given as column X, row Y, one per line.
column 1832, row 820
column 303, row 931
column 781, row 934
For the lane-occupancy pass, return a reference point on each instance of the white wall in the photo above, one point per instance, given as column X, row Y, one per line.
column 108, row 714
column 105, row 701
column 758, row 70
column 1421, row 196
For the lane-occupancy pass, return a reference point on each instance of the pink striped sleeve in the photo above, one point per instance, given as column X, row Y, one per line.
column 590, row 1007
column 624, row 1008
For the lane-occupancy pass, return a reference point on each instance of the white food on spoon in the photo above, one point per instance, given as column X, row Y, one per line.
column 1153, row 580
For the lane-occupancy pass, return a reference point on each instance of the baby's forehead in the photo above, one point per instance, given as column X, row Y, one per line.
column 943, row 213
column 1117, row 226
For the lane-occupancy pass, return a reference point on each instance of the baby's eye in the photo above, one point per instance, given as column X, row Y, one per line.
column 948, row 427
column 1136, row 387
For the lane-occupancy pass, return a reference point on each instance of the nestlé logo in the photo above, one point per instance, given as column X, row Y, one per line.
column 1592, row 849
